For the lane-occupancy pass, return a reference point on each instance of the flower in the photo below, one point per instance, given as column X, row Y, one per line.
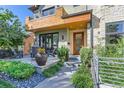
column 41, row 50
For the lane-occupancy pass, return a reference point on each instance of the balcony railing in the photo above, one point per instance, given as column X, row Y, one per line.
column 85, row 8
column 58, row 20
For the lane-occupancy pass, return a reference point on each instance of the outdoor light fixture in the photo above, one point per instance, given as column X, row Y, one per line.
column 62, row 37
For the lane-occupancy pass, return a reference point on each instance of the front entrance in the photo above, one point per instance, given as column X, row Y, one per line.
column 78, row 42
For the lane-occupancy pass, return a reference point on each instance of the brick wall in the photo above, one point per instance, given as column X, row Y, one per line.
column 28, row 43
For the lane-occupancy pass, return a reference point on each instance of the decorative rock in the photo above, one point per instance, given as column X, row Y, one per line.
column 29, row 83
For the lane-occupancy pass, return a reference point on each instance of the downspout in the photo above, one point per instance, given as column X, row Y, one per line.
column 91, row 26
column 92, row 41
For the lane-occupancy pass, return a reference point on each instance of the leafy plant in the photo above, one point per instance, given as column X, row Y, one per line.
column 5, row 84
column 82, row 78
column 51, row 71
column 63, row 53
column 86, row 55
column 112, row 50
column 11, row 31
column 120, row 47
column 17, row 69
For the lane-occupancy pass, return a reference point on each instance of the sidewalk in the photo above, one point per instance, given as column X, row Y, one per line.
column 60, row 80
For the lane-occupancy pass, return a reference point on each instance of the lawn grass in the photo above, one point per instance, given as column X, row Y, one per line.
column 5, row 84
column 17, row 69
column 51, row 71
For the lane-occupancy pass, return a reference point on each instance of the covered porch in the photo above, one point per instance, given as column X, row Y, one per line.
column 71, row 31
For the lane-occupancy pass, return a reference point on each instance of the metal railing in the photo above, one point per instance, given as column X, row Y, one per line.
column 94, row 70
column 108, row 71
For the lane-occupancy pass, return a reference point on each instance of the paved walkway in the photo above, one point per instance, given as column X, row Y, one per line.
column 60, row 80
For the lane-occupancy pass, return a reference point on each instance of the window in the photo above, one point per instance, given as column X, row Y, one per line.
column 48, row 11
column 114, row 31
column 49, row 40
column 36, row 14
column 76, row 5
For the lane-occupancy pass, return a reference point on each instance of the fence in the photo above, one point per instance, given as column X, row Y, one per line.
column 108, row 71
column 94, row 70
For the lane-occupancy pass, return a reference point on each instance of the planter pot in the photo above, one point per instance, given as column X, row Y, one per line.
column 41, row 59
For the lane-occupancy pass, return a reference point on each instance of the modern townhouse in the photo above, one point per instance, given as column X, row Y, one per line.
column 74, row 26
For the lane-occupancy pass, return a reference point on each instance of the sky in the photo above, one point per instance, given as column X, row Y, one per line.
column 19, row 10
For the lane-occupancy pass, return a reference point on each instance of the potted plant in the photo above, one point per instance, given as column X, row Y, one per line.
column 41, row 57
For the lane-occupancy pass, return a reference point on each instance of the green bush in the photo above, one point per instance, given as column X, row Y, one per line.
column 112, row 50
column 5, row 84
column 109, row 51
column 51, row 71
column 63, row 53
column 86, row 55
column 82, row 78
column 17, row 69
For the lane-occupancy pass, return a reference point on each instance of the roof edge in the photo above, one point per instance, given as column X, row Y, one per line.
column 76, row 14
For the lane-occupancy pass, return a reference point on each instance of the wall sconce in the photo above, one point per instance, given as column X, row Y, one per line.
column 62, row 37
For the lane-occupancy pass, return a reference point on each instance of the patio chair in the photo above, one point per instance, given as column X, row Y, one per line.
column 33, row 51
column 52, row 52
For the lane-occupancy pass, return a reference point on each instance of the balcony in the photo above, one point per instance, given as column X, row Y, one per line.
column 59, row 20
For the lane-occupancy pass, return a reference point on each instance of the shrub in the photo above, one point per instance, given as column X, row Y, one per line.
column 86, row 55
column 51, row 71
column 112, row 50
column 82, row 78
column 109, row 51
column 63, row 53
column 17, row 69
column 5, row 84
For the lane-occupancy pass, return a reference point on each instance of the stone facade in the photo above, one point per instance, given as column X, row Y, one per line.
column 105, row 14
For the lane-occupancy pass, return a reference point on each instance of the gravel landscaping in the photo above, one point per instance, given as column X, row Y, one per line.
column 28, row 83
column 19, row 74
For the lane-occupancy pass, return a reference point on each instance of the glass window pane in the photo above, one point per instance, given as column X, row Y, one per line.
column 45, row 13
column 55, row 39
column 115, row 27
column 114, row 32
column 49, row 11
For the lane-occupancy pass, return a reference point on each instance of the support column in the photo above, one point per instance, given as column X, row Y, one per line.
column 89, row 36
column 68, row 40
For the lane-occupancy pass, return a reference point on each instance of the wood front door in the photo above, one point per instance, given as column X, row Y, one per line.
column 78, row 42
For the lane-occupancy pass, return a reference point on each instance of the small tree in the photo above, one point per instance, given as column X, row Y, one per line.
column 11, row 31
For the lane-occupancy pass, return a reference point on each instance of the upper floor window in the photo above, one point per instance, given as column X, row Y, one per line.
column 48, row 11
column 75, row 5
column 114, row 31
column 36, row 14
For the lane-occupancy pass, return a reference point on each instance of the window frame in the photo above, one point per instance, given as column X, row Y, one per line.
column 48, row 9
column 76, row 5
column 113, row 33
